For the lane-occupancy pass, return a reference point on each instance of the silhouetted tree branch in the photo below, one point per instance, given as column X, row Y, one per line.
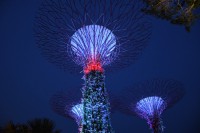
column 181, row 12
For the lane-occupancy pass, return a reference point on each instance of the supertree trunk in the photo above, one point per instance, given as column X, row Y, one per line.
column 157, row 125
column 95, row 104
column 80, row 127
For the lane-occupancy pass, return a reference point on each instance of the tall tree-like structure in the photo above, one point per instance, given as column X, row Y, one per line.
column 149, row 99
column 69, row 104
column 92, row 35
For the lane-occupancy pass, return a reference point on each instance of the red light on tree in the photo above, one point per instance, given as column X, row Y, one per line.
column 93, row 66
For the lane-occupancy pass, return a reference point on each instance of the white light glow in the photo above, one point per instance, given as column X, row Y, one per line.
column 150, row 105
column 93, row 41
column 78, row 110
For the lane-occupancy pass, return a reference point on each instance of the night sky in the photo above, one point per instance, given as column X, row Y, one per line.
column 28, row 80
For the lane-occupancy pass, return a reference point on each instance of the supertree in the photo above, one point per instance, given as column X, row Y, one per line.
column 92, row 35
column 149, row 99
column 69, row 105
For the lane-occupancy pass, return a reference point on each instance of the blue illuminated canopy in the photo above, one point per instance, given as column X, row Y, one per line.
column 151, row 105
column 93, row 41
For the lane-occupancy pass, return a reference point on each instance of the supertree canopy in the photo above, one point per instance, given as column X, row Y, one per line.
column 91, row 35
column 149, row 99
column 68, row 104
column 93, row 46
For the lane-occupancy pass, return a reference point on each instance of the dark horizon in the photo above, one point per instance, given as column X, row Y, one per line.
column 28, row 80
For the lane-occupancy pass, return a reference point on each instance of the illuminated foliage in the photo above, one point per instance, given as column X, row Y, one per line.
column 96, row 106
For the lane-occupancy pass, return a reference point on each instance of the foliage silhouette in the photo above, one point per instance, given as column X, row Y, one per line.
column 179, row 12
column 10, row 127
column 42, row 126
column 33, row 126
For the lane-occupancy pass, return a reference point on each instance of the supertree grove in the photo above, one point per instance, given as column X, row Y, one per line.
column 149, row 99
column 91, row 35
column 68, row 104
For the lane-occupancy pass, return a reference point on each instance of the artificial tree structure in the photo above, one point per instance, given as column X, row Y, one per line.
column 149, row 99
column 69, row 105
column 93, row 36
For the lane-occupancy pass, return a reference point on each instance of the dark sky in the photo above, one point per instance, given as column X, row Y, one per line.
column 27, row 80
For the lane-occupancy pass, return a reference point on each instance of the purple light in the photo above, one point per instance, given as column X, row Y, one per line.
column 77, row 113
column 149, row 106
column 93, row 43
column 149, row 99
column 112, row 32
column 78, row 110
